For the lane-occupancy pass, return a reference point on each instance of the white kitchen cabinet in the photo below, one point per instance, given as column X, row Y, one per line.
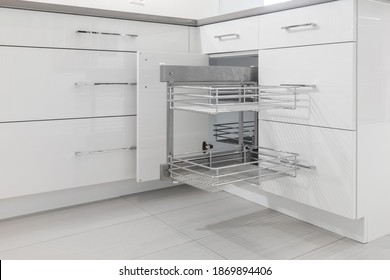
column 326, row 178
column 332, row 22
column 336, row 135
column 56, row 84
column 328, row 74
column 45, row 156
column 42, row 29
column 235, row 35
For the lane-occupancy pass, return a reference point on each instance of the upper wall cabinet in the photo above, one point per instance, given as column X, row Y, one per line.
column 235, row 35
column 320, row 24
column 26, row 28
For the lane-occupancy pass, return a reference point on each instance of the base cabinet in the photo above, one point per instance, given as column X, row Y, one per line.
column 56, row 84
column 326, row 178
column 38, row 157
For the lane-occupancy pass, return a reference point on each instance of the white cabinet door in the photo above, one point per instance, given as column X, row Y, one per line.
column 191, row 129
column 46, row 156
column 318, row 24
column 54, row 84
column 32, row 28
column 331, row 68
column 230, row 36
column 331, row 186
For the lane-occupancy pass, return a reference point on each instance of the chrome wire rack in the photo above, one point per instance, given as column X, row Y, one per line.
column 230, row 132
column 217, row 99
column 213, row 170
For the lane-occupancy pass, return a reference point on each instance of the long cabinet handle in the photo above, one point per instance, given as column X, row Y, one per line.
column 310, row 24
column 104, row 84
column 106, row 33
column 220, row 37
column 301, row 165
column 105, row 151
column 306, row 166
column 298, row 85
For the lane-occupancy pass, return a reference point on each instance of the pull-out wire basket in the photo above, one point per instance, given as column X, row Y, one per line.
column 213, row 170
column 217, row 99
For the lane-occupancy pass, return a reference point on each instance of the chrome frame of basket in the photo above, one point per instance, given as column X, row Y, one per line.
column 213, row 170
column 223, row 98
column 219, row 89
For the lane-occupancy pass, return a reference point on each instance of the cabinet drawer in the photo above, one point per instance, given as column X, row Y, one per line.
column 319, row 24
column 31, row 28
column 235, row 35
column 45, row 156
column 331, row 186
column 41, row 83
column 330, row 68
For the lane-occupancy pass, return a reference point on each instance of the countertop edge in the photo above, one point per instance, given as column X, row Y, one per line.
column 85, row 11
column 261, row 11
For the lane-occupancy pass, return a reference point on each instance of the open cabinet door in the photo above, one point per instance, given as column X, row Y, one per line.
column 191, row 129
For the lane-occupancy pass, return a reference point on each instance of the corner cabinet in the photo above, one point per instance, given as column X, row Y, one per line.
column 312, row 129
column 185, row 108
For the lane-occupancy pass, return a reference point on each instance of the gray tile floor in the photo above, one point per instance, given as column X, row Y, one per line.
column 176, row 223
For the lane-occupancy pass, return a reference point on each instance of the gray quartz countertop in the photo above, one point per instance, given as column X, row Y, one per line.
column 36, row 6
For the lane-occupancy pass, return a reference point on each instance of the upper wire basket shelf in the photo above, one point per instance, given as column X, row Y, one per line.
column 213, row 170
column 217, row 99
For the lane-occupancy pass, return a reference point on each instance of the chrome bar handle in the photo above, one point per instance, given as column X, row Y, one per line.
column 106, row 33
column 310, row 24
column 220, row 37
column 104, row 84
column 104, row 151
column 306, row 166
column 298, row 85
column 300, row 164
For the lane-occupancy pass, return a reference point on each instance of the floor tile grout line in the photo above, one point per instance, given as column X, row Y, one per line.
column 210, row 249
column 74, row 234
column 164, row 212
column 321, row 247
column 223, row 231
column 192, row 240
column 241, row 226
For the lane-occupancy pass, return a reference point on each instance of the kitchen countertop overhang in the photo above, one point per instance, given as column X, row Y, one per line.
column 57, row 8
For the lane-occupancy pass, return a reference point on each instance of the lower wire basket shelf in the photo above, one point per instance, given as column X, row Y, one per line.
column 213, row 170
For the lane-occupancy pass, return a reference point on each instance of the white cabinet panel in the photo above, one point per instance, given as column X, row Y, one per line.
column 331, row 68
column 191, row 129
column 230, row 36
column 45, row 156
column 31, row 28
column 41, row 84
column 331, row 186
column 325, row 23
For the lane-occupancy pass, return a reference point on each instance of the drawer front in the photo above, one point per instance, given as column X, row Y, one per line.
column 45, row 156
column 30, row 28
column 41, row 84
column 235, row 35
column 330, row 68
column 319, row 24
column 331, row 186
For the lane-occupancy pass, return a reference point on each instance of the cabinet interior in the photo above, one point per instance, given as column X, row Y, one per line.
column 228, row 92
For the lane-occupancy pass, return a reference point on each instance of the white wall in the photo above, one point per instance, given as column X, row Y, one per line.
column 194, row 9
